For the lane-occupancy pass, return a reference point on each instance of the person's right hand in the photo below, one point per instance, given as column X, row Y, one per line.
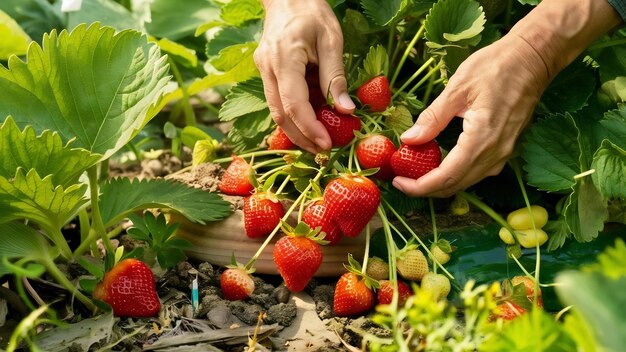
column 297, row 33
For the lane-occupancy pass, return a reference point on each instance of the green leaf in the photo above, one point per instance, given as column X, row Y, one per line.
column 231, row 57
column 376, row 63
column 237, row 12
column 204, row 151
column 558, row 232
column 612, row 62
column 615, row 89
column 44, row 153
column 93, row 85
column 580, row 331
column 36, row 17
column 585, row 211
column 106, row 12
column 400, row 119
column 610, row 165
column 178, row 52
column 244, row 98
column 614, row 123
column 14, row 39
column 174, row 21
column 254, row 125
column 383, row 12
column 551, row 151
column 600, row 301
column 192, row 134
column 356, row 28
column 122, row 196
column 536, row 331
column 611, row 262
column 228, row 36
column 457, row 22
column 28, row 196
column 21, row 241
column 570, row 89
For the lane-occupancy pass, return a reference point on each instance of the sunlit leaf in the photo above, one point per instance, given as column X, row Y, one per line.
column 173, row 20
column 237, row 12
column 457, row 22
column 45, row 153
column 28, row 196
column 243, row 98
column 93, row 85
column 36, row 17
column 14, row 39
column 107, row 12
column 187, row 57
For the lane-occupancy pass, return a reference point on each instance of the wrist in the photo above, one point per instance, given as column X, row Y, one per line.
column 559, row 30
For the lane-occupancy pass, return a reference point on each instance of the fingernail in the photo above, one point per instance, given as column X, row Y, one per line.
column 396, row 184
column 412, row 132
column 322, row 143
column 345, row 101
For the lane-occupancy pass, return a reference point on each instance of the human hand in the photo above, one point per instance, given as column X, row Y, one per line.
column 297, row 33
column 495, row 91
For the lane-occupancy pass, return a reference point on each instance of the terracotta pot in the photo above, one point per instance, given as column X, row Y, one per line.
column 216, row 242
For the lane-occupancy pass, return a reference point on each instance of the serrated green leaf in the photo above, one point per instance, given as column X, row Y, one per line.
column 122, row 196
column 610, row 164
column 93, row 85
column 612, row 62
column 28, row 196
column 170, row 257
column 233, row 56
column 376, row 63
column 178, row 52
column 570, row 89
column 529, row 2
column 255, row 124
column 14, row 39
column 550, row 149
column 383, row 12
column 36, row 17
column 44, row 153
column 558, row 232
column 601, row 303
column 243, row 98
column 233, row 35
column 400, row 119
column 238, row 12
column 614, row 124
column 173, row 21
column 192, row 134
column 585, row 211
column 458, row 22
column 107, row 12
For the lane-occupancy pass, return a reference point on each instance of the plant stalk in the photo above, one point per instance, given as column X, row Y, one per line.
column 190, row 116
column 63, row 281
column 96, row 218
column 406, row 54
column 413, row 77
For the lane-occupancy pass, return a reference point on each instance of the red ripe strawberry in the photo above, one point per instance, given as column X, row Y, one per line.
column 351, row 201
column 340, row 126
column 375, row 93
column 278, row 140
column 316, row 215
column 507, row 311
column 385, row 292
column 236, row 179
column 376, row 151
column 261, row 214
column 236, row 284
column 352, row 296
column 129, row 289
column 415, row 161
column 297, row 259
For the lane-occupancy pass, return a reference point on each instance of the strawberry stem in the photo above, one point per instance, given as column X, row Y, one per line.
column 435, row 234
column 267, row 162
column 426, row 77
column 408, row 228
column 391, row 260
column 96, row 218
column 429, row 88
column 351, row 156
column 487, row 210
column 284, row 184
column 258, row 153
column 398, row 233
column 413, row 77
column 367, row 248
column 54, row 271
column 407, row 52
column 271, row 172
column 371, row 121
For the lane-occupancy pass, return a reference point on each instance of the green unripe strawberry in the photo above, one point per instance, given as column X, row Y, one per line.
column 377, row 269
column 438, row 284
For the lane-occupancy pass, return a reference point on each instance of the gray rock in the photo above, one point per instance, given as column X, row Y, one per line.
column 281, row 294
column 208, row 302
column 261, row 286
column 221, row 316
column 247, row 313
column 323, row 296
column 264, row 300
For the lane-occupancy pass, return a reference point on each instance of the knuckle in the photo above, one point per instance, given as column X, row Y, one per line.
column 428, row 117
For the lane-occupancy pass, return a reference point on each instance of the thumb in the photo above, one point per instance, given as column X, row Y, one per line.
column 433, row 120
column 333, row 80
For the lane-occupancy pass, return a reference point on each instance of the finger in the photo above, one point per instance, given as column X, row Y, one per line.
column 294, row 95
column 272, row 97
column 435, row 118
column 332, row 75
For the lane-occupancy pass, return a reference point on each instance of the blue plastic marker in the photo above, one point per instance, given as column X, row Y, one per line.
column 194, row 295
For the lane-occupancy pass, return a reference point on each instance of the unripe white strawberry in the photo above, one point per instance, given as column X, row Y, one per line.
column 412, row 264
column 377, row 269
column 438, row 284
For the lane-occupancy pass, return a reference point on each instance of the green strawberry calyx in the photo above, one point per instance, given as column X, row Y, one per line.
column 234, row 264
column 303, row 230
column 354, row 267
